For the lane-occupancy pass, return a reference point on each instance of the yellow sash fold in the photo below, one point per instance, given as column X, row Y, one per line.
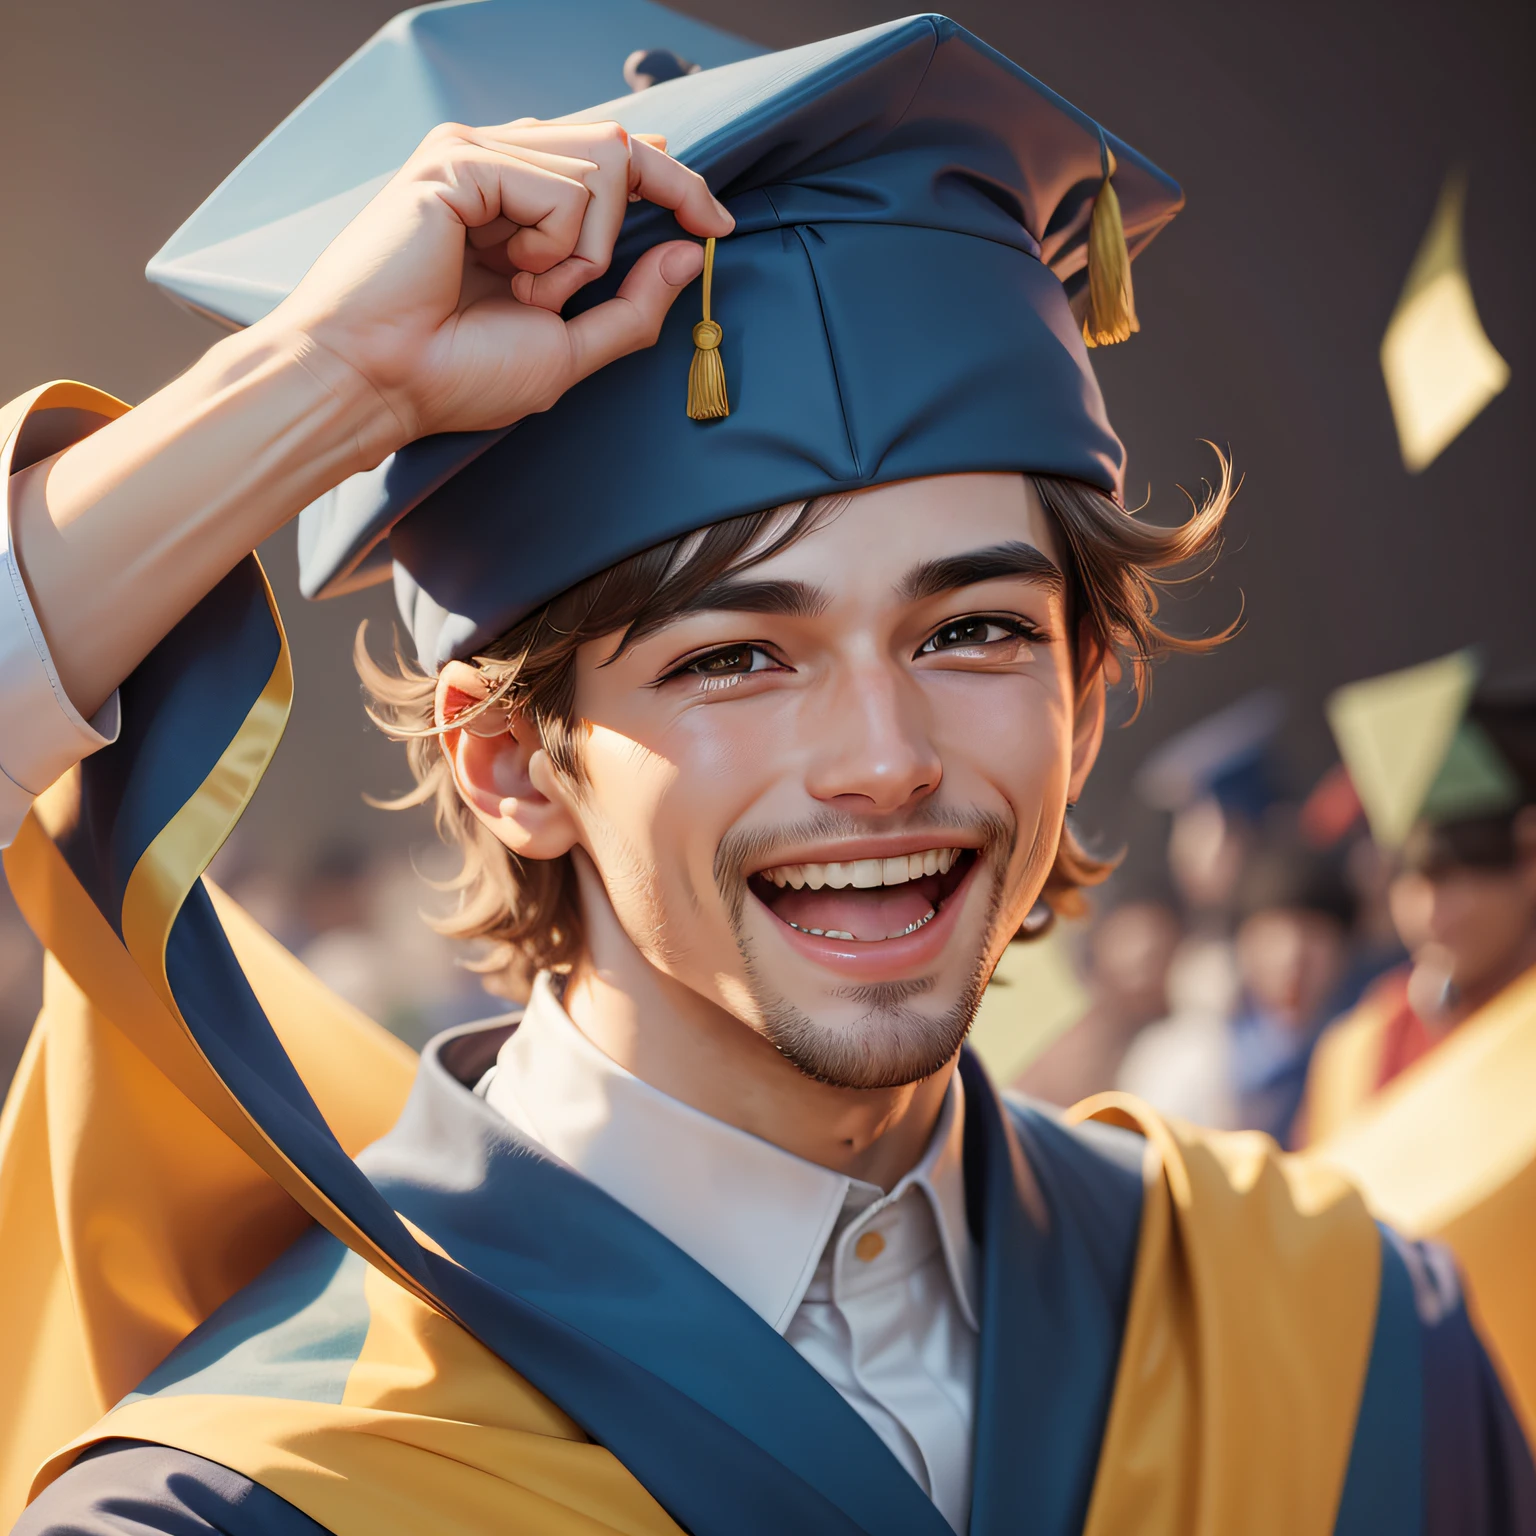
column 433, row 1433
column 126, row 1214
column 1448, row 1150
column 1247, row 1341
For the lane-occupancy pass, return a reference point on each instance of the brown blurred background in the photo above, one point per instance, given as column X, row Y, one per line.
column 1312, row 141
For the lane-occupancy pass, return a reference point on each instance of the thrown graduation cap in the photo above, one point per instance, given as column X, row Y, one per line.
column 1440, row 368
column 1414, row 752
column 915, row 216
column 1227, row 757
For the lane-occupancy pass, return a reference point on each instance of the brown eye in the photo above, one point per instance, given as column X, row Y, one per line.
column 973, row 632
column 726, row 663
column 735, row 658
column 965, row 632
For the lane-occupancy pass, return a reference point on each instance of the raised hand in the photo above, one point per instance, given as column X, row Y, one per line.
column 444, row 293
column 436, row 310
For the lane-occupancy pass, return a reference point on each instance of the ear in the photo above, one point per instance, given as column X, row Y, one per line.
column 501, row 770
column 1098, row 668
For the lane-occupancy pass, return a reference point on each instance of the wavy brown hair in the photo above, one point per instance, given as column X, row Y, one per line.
column 525, row 911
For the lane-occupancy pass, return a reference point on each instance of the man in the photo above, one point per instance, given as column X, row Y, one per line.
column 757, row 668
column 1422, row 1093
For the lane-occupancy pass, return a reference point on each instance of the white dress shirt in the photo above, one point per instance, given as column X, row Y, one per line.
column 876, row 1291
column 42, row 734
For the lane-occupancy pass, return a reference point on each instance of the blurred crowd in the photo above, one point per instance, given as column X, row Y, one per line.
column 1292, row 965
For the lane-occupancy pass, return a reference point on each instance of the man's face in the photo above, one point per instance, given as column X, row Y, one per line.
column 1466, row 927
column 1290, row 960
column 826, row 799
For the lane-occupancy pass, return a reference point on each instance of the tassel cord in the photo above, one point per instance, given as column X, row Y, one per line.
column 707, row 400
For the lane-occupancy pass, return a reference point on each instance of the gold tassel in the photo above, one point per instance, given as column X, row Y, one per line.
column 706, row 374
column 1111, row 313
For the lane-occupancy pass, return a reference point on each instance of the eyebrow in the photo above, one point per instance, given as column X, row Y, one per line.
column 789, row 599
column 1014, row 558
column 803, row 600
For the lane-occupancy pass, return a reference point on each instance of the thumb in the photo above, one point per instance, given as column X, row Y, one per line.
column 632, row 318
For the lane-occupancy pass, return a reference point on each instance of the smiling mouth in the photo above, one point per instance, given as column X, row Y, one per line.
column 866, row 901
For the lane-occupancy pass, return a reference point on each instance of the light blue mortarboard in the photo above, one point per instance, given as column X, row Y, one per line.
column 913, row 215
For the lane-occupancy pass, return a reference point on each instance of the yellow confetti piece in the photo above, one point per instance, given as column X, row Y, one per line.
column 1440, row 368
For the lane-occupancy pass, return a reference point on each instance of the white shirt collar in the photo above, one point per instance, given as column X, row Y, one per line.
column 755, row 1216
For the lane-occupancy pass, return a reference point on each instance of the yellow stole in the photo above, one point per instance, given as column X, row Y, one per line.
column 1448, row 1150
column 1344, row 1070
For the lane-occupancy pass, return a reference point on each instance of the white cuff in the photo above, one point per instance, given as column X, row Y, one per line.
column 42, row 734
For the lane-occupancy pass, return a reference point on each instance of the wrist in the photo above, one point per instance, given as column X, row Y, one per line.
column 350, row 423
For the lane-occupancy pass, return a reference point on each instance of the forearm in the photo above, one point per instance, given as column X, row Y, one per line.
column 119, row 536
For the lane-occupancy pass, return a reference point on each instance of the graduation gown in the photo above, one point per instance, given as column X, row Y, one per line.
column 245, row 1291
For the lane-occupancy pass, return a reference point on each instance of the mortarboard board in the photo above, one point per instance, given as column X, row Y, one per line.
column 1226, row 757
column 914, row 214
column 478, row 61
column 1419, row 746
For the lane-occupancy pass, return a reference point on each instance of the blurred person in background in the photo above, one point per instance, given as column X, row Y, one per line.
column 1424, row 1093
column 1245, row 1067
column 1296, row 915
column 1332, row 820
column 1463, row 902
column 1126, row 957
column 1218, row 780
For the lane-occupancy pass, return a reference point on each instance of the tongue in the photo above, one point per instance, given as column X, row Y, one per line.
column 880, row 913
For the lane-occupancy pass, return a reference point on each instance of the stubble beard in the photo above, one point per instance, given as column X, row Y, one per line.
column 892, row 1043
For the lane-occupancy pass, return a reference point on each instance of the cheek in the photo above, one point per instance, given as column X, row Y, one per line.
column 1012, row 735
column 620, row 807
column 1480, row 916
column 654, row 813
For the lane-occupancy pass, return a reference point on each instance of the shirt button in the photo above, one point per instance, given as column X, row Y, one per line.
column 869, row 1246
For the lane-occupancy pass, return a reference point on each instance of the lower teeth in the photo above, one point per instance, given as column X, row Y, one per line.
column 838, row 933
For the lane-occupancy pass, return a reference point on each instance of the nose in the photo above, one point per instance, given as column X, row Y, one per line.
column 873, row 749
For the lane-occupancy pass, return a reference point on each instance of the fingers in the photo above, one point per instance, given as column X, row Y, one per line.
column 542, row 200
column 543, row 203
column 609, row 148
column 632, row 318
column 669, row 183
column 653, row 174
column 626, row 167
column 656, row 141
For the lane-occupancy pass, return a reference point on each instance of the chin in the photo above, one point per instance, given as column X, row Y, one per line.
column 877, row 1013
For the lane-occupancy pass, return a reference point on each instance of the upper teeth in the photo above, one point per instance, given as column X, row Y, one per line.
column 864, row 874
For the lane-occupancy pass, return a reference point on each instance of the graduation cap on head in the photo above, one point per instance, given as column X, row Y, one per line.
column 1421, row 746
column 924, row 232
column 1227, row 757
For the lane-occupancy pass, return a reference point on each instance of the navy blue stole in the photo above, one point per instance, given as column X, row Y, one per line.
column 720, row 1419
